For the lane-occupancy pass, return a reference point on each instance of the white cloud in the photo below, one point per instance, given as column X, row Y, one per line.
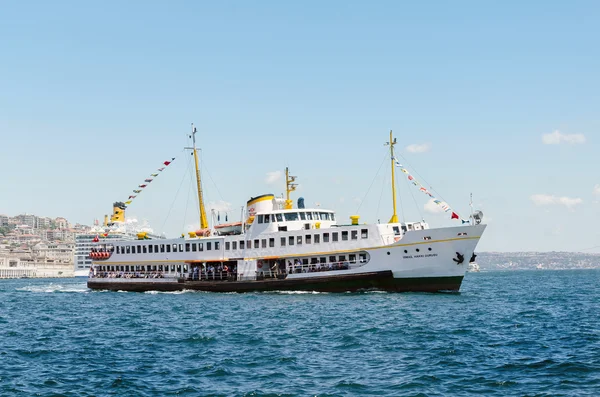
column 416, row 148
column 596, row 191
column 273, row 177
column 545, row 199
column 432, row 207
column 220, row 206
column 556, row 137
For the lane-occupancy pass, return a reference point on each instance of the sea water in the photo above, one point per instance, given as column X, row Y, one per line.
column 534, row 333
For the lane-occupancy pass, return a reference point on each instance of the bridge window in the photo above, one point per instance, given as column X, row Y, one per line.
column 200, row 246
column 271, row 242
column 168, row 247
column 187, row 247
column 162, row 248
column 283, row 241
column 249, row 245
column 303, row 216
column 260, row 218
column 279, row 217
column 345, row 235
column 150, row 249
column 299, row 240
column 227, row 245
column 291, row 216
column 325, row 237
column 309, row 216
column 194, row 247
column 234, row 245
column 174, row 247
column 267, row 218
column 209, row 245
column 317, row 238
column 291, row 240
column 241, row 245
column 364, row 233
column 263, row 243
column 272, row 218
column 307, row 238
column 334, row 237
column 256, row 244
column 352, row 258
column 180, row 247
column 217, row 245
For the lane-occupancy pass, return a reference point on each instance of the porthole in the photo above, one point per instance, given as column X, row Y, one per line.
column 406, row 251
column 388, row 252
column 417, row 250
column 429, row 248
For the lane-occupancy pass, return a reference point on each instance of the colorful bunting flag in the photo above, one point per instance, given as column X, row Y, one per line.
column 445, row 207
column 148, row 180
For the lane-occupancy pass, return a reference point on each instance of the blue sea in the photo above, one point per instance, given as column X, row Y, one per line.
column 520, row 333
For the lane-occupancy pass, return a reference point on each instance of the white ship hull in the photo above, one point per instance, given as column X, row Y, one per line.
column 423, row 260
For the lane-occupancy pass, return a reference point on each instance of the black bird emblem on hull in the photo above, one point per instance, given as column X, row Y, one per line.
column 460, row 258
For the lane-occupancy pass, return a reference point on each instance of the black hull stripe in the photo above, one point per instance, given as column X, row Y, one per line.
column 383, row 281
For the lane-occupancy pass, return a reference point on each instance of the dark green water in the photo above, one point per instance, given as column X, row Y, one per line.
column 512, row 333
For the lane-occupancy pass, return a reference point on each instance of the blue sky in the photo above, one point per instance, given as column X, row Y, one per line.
column 94, row 96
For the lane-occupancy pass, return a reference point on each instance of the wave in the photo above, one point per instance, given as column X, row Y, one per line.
column 51, row 288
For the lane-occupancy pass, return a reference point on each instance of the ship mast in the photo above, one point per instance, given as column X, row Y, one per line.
column 290, row 186
column 203, row 221
column 391, row 143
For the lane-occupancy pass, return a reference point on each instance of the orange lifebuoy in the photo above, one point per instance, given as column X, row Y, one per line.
column 259, row 265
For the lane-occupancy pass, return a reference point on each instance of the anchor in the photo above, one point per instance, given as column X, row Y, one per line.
column 459, row 258
column 473, row 258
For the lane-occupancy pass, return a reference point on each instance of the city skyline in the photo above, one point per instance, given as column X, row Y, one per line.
column 498, row 101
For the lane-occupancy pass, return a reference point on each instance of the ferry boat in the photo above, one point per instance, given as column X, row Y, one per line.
column 282, row 247
column 116, row 229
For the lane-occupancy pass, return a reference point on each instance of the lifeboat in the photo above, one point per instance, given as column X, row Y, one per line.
column 229, row 228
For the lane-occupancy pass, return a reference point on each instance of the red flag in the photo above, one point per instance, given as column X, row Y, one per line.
column 169, row 162
column 96, row 239
column 142, row 186
column 454, row 215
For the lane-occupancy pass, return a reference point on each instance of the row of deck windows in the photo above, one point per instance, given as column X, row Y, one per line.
column 156, row 248
column 296, row 216
column 258, row 243
column 299, row 240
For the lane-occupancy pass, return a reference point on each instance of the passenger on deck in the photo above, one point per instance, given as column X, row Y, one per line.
column 275, row 268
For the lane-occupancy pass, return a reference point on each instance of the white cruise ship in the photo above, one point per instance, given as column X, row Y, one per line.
column 117, row 229
column 278, row 247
